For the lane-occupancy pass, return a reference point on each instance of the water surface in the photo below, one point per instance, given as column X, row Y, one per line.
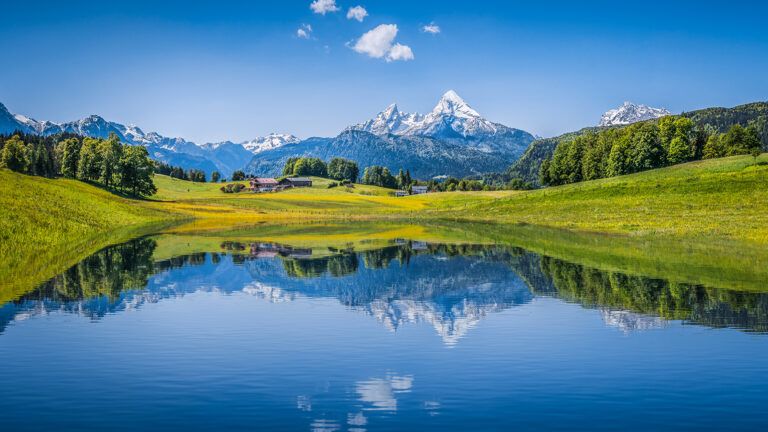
column 397, row 335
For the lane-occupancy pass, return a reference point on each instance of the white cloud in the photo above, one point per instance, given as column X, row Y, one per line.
column 358, row 12
column 431, row 28
column 400, row 52
column 380, row 43
column 323, row 6
column 304, row 31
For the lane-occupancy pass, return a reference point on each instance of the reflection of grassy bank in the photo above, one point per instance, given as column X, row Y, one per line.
column 48, row 225
column 703, row 221
column 711, row 262
column 35, row 268
column 723, row 264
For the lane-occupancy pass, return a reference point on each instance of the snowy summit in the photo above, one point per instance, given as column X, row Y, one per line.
column 631, row 113
column 452, row 116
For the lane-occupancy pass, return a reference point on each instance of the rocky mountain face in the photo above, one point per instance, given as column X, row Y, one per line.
column 425, row 157
column 631, row 113
column 453, row 139
column 224, row 157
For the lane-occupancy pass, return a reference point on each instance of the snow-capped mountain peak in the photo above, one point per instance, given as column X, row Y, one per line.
column 225, row 157
column 389, row 121
column 451, row 117
column 269, row 142
column 629, row 112
column 452, row 104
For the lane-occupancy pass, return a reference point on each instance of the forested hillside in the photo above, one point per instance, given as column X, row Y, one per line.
column 707, row 121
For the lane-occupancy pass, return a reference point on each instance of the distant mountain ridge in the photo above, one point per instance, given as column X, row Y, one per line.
column 629, row 113
column 453, row 139
column 224, row 157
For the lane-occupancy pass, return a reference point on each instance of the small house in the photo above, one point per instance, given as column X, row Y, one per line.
column 296, row 182
column 418, row 190
column 262, row 184
column 401, row 193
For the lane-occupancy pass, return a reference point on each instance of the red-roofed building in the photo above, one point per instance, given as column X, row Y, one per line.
column 262, row 184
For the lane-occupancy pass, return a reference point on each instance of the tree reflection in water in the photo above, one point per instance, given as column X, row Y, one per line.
column 450, row 286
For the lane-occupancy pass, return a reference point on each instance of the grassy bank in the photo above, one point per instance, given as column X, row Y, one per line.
column 721, row 198
column 46, row 225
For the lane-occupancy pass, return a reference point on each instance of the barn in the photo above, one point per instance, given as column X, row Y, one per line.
column 296, row 182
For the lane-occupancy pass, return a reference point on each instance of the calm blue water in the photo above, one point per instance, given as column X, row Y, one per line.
column 409, row 337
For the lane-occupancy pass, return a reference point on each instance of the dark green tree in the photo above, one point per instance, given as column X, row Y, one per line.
column 343, row 169
column 135, row 171
column 110, row 152
column 89, row 164
column 289, row 165
column 68, row 152
column 379, row 176
column 14, row 155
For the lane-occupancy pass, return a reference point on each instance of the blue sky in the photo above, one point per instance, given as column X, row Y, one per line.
column 209, row 71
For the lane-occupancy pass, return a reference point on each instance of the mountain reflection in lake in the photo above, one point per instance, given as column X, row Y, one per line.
column 209, row 338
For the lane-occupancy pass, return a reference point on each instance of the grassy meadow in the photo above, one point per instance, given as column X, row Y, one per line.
column 696, row 209
column 48, row 225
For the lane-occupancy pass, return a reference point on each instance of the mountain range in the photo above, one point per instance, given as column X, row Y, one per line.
column 224, row 157
column 453, row 139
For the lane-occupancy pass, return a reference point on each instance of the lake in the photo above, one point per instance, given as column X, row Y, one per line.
column 250, row 330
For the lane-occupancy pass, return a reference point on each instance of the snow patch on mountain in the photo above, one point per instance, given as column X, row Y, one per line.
column 631, row 113
column 451, row 117
column 224, row 156
column 269, row 142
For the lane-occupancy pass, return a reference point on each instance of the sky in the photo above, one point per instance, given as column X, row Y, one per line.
column 235, row 70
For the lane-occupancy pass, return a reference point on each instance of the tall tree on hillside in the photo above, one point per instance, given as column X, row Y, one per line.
column 595, row 162
column 714, row 147
column 544, row 177
column 110, row 151
column 68, row 152
column 40, row 160
column 89, row 164
column 680, row 148
column 619, row 159
column 647, row 151
column 215, row 177
column 135, row 171
column 238, row 175
column 343, row 169
column 379, row 176
column 289, row 166
column 309, row 166
column 14, row 155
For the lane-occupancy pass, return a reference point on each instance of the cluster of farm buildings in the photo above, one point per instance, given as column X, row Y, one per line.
column 265, row 184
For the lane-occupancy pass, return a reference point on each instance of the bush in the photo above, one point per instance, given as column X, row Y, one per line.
column 332, row 185
column 232, row 188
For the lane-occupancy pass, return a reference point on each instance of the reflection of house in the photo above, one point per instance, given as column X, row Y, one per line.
column 296, row 182
column 271, row 250
column 262, row 184
column 300, row 253
column 417, row 190
column 419, row 245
